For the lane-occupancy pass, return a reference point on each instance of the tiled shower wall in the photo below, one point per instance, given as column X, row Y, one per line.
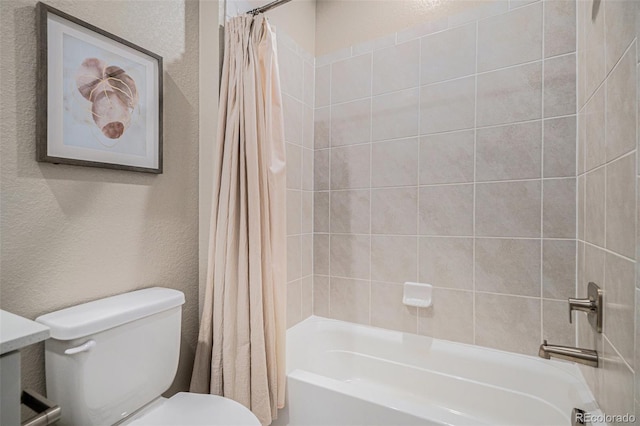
column 297, row 86
column 607, row 170
column 446, row 154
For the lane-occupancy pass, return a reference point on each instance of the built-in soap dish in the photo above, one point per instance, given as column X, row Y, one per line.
column 417, row 294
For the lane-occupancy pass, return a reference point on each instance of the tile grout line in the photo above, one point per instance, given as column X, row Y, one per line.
column 301, row 187
column 577, row 168
column 475, row 177
column 542, row 114
column 330, row 184
column 418, row 310
column 370, row 180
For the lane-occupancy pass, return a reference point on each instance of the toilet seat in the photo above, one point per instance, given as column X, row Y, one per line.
column 194, row 409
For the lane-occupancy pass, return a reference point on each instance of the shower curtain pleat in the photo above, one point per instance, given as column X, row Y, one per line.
column 241, row 343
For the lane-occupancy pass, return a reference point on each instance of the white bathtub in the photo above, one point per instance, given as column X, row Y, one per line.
column 341, row 373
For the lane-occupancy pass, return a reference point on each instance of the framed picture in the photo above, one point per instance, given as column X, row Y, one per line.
column 99, row 97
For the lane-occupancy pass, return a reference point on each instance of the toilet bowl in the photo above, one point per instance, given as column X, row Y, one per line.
column 109, row 361
column 193, row 409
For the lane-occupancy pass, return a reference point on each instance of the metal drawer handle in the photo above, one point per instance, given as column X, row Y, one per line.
column 48, row 412
column 82, row 348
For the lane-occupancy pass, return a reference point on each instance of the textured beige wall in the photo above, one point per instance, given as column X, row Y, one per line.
column 73, row 234
column 342, row 23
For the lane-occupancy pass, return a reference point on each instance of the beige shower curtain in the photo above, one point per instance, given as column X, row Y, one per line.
column 241, row 347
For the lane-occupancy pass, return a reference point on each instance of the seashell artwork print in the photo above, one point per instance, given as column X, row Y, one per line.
column 112, row 93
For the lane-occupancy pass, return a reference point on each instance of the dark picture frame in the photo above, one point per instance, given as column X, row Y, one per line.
column 99, row 97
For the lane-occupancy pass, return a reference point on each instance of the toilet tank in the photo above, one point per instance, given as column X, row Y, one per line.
column 108, row 358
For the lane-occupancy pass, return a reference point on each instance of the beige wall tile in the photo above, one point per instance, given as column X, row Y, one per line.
column 450, row 317
column 595, row 207
column 511, row 38
column 555, row 327
column 558, row 269
column 307, row 169
column 306, row 224
column 322, row 128
column 306, row 253
column 306, row 290
column 394, row 259
column 581, row 206
column 446, row 210
column 560, row 146
column 595, row 154
column 620, row 29
column 351, row 79
column 448, row 54
column 447, row 158
column 509, row 152
column 323, row 86
column 394, row 163
column 294, row 213
column 394, row 211
column 349, row 300
column 321, row 170
column 321, row 211
column 504, row 322
column 621, row 206
column 580, row 267
column 582, row 141
column 510, row 95
column 621, row 123
column 559, row 208
column 350, row 122
column 294, row 259
column 293, row 119
column 508, row 266
column 294, row 303
column 309, row 83
column 350, row 211
column 307, row 127
column 446, row 262
column 294, row 166
column 396, row 67
column 447, row 106
column 350, row 256
column 560, row 86
column 350, row 167
column 321, row 295
column 636, row 361
column 321, row 254
column 594, row 258
column 395, row 115
column 594, row 45
column 581, row 59
column 619, row 313
column 387, row 309
column 559, row 27
column 617, row 387
column 508, row 209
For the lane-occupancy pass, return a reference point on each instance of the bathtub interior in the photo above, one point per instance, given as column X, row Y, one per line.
column 446, row 382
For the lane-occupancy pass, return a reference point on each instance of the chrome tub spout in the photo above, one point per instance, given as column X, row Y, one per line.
column 583, row 356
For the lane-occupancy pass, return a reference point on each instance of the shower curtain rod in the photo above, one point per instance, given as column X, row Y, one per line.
column 268, row 6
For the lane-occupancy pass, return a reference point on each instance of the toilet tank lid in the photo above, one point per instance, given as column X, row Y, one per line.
column 93, row 317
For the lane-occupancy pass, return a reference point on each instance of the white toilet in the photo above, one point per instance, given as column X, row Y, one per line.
column 108, row 361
